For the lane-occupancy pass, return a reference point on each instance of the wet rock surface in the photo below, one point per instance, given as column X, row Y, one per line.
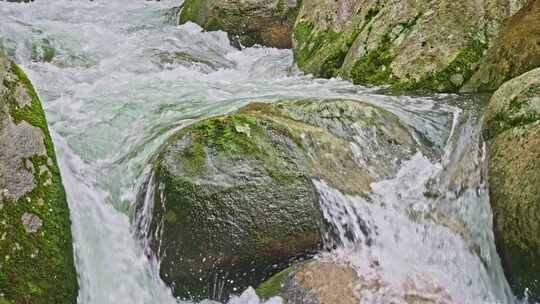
column 265, row 22
column 512, row 132
column 232, row 199
column 320, row 283
column 515, row 51
column 35, row 233
column 443, row 46
column 325, row 281
column 408, row 45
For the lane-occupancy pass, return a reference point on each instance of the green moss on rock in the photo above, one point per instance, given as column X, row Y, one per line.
column 36, row 254
column 454, row 75
column 32, row 114
column 512, row 131
column 247, row 22
column 191, row 10
column 515, row 51
column 407, row 45
column 233, row 196
column 374, row 67
column 273, row 286
column 234, row 186
column 320, row 52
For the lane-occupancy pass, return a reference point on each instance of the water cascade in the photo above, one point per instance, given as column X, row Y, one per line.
column 116, row 79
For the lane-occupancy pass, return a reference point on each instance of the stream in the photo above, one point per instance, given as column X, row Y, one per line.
column 116, row 78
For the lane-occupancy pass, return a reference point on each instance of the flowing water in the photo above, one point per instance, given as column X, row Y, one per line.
column 116, row 78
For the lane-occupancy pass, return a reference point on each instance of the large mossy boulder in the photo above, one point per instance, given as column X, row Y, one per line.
column 512, row 132
column 433, row 45
column 248, row 22
column 232, row 198
column 36, row 253
column 515, row 51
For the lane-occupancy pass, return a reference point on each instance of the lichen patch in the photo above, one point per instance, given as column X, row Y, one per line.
column 31, row 222
column 16, row 178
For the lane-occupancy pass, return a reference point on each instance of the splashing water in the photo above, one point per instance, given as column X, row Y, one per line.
column 116, row 80
column 424, row 231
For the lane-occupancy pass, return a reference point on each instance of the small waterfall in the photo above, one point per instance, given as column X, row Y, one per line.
column 426, row 231
column 125, row 274
column 143, row 218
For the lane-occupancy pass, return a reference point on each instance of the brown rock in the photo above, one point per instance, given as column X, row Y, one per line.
column 265, row 22
column 515, row 51
column 512, row 131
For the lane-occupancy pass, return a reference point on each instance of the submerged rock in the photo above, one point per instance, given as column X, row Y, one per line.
column 232, row 201
column 265, row 22
column 515, row 51
column 171, row 15
column 512, row 132
column 36, row 254
column 321, row 283
column 433, row 45
column 329, row 282
column 169, row 60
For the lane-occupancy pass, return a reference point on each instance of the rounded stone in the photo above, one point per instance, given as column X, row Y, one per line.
column 512, row 133
column 232, row 200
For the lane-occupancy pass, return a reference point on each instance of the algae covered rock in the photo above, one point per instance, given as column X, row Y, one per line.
column 232, row 199
column 236, row 206
column 36, row 254
column 515, row 51
column 434, row 45
column 512, row 132
column 325, row 31
column 248, row 22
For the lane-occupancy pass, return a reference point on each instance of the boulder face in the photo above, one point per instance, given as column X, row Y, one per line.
column 265, row 22
column 236, row 206
column 327, row 281
column 36, row 254
column 515, row 51
column 434, row 45
column 319, row 282
column 512, row 132
column 232, row 199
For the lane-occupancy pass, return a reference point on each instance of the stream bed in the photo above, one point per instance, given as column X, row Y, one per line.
column 116, row 78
